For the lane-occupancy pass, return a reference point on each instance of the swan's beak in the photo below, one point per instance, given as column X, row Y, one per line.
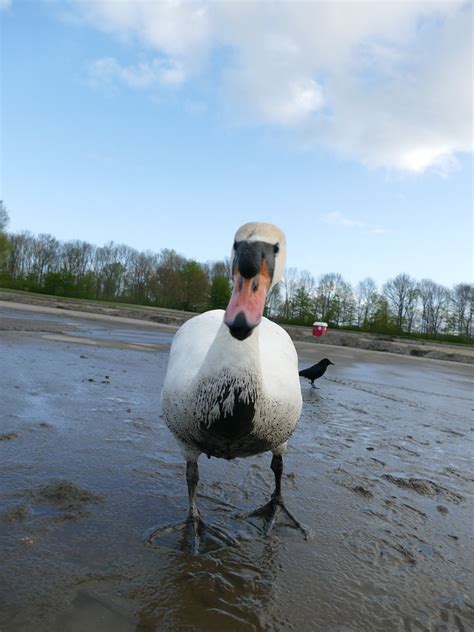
column 245, row 309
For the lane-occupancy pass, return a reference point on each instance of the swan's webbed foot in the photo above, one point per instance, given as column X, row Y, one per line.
column 195, row 529
column 275, row 505
column 194, row 525
column 270, row 512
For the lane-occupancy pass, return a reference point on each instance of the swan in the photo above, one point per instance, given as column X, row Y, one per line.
column 232, row 387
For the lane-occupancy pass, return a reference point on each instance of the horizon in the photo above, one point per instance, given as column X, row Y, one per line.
column 116, row 128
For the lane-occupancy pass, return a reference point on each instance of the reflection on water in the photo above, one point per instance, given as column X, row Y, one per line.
column 229, row 590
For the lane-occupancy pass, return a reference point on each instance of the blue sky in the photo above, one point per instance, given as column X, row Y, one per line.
column 168, row 125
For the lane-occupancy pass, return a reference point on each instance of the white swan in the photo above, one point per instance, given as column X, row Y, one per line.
column 232, row 387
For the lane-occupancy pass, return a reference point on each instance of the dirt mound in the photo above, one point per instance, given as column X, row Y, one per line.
column 65, row 496
column 423, row 486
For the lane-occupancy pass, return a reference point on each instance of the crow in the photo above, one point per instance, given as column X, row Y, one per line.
column 315, row 371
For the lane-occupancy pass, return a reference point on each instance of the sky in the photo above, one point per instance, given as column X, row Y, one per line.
column 170, row 124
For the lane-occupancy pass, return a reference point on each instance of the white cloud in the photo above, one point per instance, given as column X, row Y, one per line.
column 143, row 75
column 386, row 83
column 378, row 231
column 286, row 103
column 335, row 218
column 4, row 4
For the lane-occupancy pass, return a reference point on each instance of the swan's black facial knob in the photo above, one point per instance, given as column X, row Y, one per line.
column 249, row 256
column 239, row 327
column 249, row 259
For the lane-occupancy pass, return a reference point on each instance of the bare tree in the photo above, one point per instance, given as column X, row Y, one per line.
column 274, row 303
column 327, row 296
column 366, row 301
column 215, row 269
column 110, row 264
column 139, row 275
column 346, row 306
column 77, row 257
column 434, row 301
column 4, row 219
column 400, row 295
column 462, row 299
column 411, row 307
column 45, row 251
column 289, row 285
column 19, row 255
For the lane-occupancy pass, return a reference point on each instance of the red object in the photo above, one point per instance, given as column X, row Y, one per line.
column 319, row 329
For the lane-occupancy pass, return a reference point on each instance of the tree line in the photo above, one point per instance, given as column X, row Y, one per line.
column 403, row 305
column 116, row 272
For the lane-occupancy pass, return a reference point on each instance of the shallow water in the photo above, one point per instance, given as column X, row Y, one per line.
column 379, row 469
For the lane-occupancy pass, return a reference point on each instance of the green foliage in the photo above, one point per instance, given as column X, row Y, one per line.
column 220, row 292
column 380, row 322
column 195, row 287
column 60, row 283
column 302, row 305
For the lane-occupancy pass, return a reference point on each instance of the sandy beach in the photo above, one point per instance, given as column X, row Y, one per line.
column 379, row 470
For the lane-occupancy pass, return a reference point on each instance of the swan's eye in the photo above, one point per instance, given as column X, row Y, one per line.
column 276, row 248
column 235, row 245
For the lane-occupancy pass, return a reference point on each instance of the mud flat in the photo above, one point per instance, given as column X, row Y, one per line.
column 379, row 469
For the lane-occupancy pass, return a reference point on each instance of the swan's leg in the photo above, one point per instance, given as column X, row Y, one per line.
column 276, row 504
column 192, row 479
column 194, row 518
column 193, row 523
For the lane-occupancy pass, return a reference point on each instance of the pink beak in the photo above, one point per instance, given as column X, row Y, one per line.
column 245, row 309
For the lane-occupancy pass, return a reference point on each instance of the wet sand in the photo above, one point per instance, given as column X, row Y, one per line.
column 379, row 469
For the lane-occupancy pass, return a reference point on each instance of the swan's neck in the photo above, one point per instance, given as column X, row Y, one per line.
column 226, row 354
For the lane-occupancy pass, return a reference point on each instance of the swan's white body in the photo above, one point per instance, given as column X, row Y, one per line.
column 231, row 398
column 232, row 387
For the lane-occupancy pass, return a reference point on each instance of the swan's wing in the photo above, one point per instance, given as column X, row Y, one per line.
column 190, row 346
column 279, row 362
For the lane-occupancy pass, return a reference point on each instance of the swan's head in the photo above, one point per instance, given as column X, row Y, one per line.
column 258, row 262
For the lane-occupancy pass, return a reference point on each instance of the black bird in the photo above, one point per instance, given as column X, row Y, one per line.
column 315, row 371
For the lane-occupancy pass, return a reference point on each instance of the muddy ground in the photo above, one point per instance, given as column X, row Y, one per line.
column 379, row 469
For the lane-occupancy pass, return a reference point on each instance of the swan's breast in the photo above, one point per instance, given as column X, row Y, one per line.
column 226, row 417
column 228, row 398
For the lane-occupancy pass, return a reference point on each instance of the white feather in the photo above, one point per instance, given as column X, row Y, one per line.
column 204, row 358
column 208, row 369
